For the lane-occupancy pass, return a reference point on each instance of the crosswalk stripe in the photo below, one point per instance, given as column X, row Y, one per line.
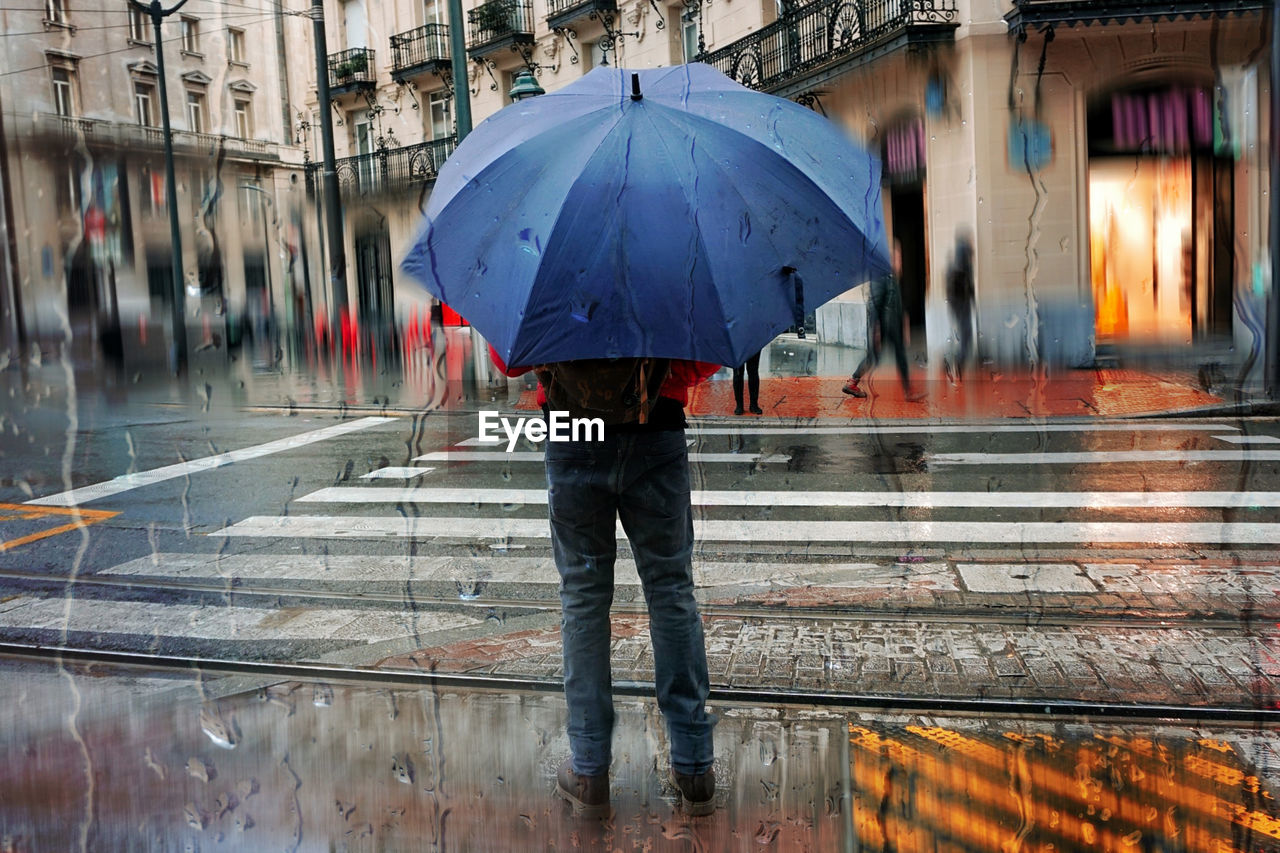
column 223, row 622
column 1248, row 439
column 1103, row 457
column 700, row 428
column 366, row 568
column 1066, row 500
column 898, row 532
column 396, row 473
column 126, row 482
column 538, row 456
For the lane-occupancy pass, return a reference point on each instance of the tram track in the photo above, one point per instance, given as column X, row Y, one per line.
column 379, row 677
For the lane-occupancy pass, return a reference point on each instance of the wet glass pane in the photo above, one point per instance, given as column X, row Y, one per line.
column 881, row 408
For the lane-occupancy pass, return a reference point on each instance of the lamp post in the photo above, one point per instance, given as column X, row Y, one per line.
column 524, row 86
column 329, row 182
column 178, row 358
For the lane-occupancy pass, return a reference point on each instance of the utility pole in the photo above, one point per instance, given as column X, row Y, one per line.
column 458, row 67
column 333, row 213
column 178, row 358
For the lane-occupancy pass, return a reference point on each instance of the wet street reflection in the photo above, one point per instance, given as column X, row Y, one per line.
column 109, row 759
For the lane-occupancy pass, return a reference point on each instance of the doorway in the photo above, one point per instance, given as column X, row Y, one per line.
column 1160, row 219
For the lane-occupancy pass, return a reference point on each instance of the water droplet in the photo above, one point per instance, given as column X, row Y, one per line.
column 219, row 731
column 198, row 768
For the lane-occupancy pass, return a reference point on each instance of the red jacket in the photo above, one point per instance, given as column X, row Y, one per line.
column 684, row 375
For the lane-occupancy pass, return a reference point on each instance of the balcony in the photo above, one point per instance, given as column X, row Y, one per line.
column 97, row 133
column 421, row 50
column 394, row 170
column 1041, row 13
column 351, row 70
column 499, row 24
column 820, row 40
column 561, row 13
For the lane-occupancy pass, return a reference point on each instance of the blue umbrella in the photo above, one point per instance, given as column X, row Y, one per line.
column 668, row 212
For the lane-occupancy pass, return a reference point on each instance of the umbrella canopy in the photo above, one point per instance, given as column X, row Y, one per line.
column 599, row 221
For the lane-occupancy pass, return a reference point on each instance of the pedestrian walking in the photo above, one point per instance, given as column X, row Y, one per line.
column 752, row 370
column 960, row 303
column 638, row 473
column 885, row 325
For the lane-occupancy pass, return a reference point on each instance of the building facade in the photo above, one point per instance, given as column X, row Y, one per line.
column 1108, row 160
column 91, row 261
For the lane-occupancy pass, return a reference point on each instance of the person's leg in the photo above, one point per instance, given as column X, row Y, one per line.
column 582, row 506
column 753, row 384
column 964, row 330
column 737, row 389
column 656, row 514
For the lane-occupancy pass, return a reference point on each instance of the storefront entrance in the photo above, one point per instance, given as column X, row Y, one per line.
column 1159, row 218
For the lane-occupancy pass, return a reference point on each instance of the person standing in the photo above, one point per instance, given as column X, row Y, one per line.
column 886, row 320
column 960, row 302
column 639, row 474
column 752, row 370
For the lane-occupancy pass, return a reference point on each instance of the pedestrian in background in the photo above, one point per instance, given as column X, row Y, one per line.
column 752, row 370
column 960, row 303
column 639, row 474
column 885, row 322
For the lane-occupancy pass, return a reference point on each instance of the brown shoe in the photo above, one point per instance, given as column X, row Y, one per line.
column 589, row 795
column 697, row 793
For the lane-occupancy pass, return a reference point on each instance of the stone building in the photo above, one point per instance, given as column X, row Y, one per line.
column 89, row 260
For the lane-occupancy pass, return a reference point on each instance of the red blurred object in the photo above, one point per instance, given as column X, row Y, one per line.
column 451, row 317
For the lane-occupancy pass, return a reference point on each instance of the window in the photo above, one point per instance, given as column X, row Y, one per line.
column 243, row 111
column 440, row 109
column 195, row 111
column 235, row 46
column 64, row 91
column 67, row 190
column 55, row 11
column 433, row 12
column 139, row 25
column 689, row 36
column 190, row 35
column 143, row 103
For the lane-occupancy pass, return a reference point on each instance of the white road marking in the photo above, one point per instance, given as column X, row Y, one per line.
column 1103, row 457
column 126, row 482
column 217, row 622
column 468, row 571
column 1248, row 439
column 396, row 473
column 930, row 429
column 538, row 456
column 1066, row 500
column 904, row 532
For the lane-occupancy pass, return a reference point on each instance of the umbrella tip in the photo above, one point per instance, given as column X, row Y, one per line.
column 635, row 87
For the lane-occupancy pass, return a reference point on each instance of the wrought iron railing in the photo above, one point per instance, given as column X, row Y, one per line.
column 819, row 32
column 351, row 68
column 131, row 135
column 499, row 19
column 559, row 7
column 392, row 169
column 421, row 46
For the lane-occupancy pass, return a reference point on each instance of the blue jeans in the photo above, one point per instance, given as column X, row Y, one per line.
column 642, row 478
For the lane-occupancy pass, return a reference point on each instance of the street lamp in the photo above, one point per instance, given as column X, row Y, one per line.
column 525, row 86
column 178, row 360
